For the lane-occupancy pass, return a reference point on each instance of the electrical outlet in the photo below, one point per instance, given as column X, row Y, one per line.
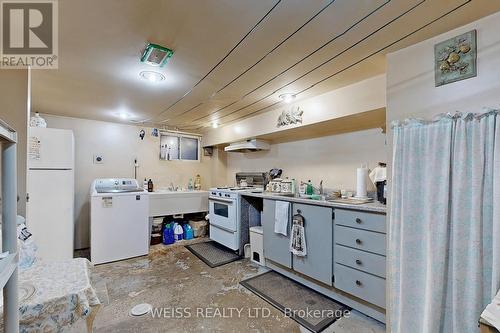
column 98, row 159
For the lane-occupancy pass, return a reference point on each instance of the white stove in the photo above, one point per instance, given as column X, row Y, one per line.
column 224, row 209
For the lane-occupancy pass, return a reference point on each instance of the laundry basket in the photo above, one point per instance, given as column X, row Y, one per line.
column 257, row 246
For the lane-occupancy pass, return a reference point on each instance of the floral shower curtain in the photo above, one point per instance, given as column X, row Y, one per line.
column 444, row 239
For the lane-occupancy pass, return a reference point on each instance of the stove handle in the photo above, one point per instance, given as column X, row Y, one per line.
column 221, row 200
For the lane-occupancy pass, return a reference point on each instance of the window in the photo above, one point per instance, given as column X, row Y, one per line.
column 179, row 147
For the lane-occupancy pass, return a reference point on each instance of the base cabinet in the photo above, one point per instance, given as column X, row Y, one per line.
column 318, row 225
column 360, row 248
column 345, row 249
column 276, row 246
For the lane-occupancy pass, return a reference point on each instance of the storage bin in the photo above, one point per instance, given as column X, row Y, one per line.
column 199, row 228
column 257, row 245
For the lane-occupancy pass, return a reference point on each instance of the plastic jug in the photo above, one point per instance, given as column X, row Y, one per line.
column 188, row 232
column 168, row 234
column 178, row 232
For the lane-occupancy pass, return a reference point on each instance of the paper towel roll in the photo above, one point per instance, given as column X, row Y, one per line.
column 361, row 177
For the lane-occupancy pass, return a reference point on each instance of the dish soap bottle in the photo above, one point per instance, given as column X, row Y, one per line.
column 190, row 184
column 145, row 184
column 150, row 185
column 309, row 188
column 197, row 183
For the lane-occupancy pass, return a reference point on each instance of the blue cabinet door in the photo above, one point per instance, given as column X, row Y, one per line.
column 318, row 225
column 276, row 246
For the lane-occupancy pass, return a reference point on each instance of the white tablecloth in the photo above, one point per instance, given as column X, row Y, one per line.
column 63, row 294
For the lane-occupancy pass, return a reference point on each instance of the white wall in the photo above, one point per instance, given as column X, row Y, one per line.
column 14, row 99
column 333, row 159
column 411, row 91
column 120, row 144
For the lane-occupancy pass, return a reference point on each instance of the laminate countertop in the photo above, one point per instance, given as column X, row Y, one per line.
column 375, row 207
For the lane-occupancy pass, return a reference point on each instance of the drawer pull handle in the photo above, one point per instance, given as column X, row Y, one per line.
column 358, row 220
column 358, row 283
column 358, row 261
column 358, row 241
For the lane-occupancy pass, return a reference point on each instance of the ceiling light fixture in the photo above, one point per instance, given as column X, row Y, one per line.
column 288, row 97
column 215, row 124
column 152, row 76
column 123, row 115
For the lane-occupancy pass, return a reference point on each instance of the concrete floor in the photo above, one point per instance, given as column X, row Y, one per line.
column 173, row 279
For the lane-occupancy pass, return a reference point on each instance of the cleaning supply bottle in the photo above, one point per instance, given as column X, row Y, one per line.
column 168, row 234
column 190, row 184
column 145, row 184
column 188, row 232
column 309, row 188
column 150, row 185
column 294, row 185
column 197, row 183
column 178, row 232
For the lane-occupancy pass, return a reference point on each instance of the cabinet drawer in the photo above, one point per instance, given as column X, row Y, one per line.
column 361, row 220
column 365, row 286
column 364, row 261
column 360, row 239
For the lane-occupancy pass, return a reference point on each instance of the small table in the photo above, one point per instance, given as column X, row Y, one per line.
column 56, row 296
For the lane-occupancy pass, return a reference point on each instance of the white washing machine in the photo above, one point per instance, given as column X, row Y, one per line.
column 119, row 225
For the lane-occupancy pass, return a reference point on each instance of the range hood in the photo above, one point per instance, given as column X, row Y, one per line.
column 248, row 146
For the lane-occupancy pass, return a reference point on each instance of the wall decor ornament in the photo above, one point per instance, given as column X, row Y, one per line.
column 290, row 116
column 455, row 59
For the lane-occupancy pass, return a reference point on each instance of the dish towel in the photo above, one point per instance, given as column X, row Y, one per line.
column 281, row 217
column 492, row 312
column 298, row 237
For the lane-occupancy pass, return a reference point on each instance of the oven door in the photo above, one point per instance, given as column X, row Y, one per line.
column 223, row 213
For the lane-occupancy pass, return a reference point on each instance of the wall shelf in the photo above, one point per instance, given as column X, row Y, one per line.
column 8, row 265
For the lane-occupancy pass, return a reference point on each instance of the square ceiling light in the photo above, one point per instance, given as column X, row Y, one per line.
column 156, row 55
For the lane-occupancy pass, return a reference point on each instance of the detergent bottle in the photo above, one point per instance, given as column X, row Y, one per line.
column 178, row 232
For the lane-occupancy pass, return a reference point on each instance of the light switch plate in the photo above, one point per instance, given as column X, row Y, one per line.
column 98, row 159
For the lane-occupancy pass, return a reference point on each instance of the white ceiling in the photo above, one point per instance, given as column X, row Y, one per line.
column 232, row 59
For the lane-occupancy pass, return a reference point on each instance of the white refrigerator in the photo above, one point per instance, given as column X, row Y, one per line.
column 51, row 191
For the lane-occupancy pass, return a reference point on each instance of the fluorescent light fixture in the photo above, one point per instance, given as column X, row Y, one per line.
column 288, row 97
column 152, row 76
column 215, row 124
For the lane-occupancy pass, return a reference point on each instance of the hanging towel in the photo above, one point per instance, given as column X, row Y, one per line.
column 281, row 217
column 298, row 237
